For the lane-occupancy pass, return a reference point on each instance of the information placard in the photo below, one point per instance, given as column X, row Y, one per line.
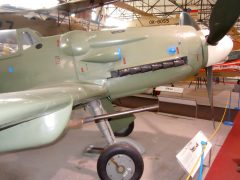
column 169, row 89
column 192, row 152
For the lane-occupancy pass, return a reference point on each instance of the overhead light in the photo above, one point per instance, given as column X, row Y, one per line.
column 30, row 4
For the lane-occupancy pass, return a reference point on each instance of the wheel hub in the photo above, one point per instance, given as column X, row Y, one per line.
column 120, row 167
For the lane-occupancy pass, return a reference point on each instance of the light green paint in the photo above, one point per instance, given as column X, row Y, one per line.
column 75, row 68
column 118, row 123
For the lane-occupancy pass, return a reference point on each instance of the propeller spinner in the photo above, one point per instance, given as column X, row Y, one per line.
column 223, row 17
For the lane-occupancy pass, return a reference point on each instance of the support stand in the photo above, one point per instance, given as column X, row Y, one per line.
column 98, row 148
column 95, row 107
column 203, row 143
column 93, row 150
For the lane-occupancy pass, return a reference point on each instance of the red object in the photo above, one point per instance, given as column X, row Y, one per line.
column 177, row 50
column 227, row 161
column 231, row 66
column 124, row 60
column 194, row 11
column 58, row 43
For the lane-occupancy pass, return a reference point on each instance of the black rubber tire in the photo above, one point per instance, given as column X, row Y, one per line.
column 125, row 132
column 120, row 148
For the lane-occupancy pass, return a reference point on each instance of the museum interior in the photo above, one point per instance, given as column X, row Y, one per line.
column 120, row 90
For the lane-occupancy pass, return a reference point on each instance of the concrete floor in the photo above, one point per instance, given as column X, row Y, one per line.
column 162, row 135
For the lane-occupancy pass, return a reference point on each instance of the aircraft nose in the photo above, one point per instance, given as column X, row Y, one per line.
column 219, row 52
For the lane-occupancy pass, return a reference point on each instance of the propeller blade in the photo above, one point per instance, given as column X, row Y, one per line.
column 209, row 74
column 186, row 19
column 223, row 17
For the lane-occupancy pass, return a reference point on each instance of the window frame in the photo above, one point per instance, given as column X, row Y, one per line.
column 18, row 52
column 31, row 33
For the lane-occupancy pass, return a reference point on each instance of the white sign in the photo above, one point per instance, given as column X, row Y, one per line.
column 190, row 102
column 169, row 89
column 192, row 152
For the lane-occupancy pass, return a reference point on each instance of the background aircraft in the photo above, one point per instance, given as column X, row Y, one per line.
column 42, row 79
column 64, row 6
column 48, row 22
column 81, row 5
column 47, row 27
column 227, row 69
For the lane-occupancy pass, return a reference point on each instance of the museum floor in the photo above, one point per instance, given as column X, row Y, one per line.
column 162, row 135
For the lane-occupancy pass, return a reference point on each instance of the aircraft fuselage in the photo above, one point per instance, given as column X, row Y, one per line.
column 124, row 61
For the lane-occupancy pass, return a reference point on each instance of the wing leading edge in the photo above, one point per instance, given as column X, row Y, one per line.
column 38, row 117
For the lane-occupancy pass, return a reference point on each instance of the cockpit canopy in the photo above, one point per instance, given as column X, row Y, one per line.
column 13, row 41
column 8, row 42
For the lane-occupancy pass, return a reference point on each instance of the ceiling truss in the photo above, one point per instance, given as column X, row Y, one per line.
column 167, row 8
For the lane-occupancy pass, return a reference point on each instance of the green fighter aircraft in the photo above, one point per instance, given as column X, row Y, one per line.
column 43, row 78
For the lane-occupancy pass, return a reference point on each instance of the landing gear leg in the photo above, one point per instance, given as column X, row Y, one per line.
column 95, row 107
column 118, row 160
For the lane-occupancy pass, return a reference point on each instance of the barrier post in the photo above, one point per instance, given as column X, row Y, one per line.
column 238, row 100
column 203, row 143
column 229, row 122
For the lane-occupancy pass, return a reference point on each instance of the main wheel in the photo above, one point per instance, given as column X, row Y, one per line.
column 120, row 162
column 126, row 131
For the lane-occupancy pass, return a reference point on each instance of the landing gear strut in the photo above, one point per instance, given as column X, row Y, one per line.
column 119, row 160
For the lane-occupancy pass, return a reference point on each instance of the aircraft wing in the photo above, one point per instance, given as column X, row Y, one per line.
column 38, row 117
